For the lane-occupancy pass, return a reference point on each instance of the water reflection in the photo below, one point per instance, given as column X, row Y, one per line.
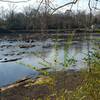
column 12, row 71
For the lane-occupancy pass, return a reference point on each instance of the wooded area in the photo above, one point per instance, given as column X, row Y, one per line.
column 44, row 17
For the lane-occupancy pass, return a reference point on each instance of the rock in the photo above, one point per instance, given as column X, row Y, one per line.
column 5, row 59
column 26, row 46
column 0, row 58
column 20, row 53
column 46, row 46
column 9, row 54
column 46, row 68
column 11, row 60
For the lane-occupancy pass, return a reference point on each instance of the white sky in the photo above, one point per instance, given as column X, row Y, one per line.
column 81, row 5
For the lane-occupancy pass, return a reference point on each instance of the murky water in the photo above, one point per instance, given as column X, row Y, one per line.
column 13, row 52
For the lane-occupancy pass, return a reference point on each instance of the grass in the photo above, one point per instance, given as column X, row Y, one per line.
column 61, row 85
column 90, row 90
column 90, row 87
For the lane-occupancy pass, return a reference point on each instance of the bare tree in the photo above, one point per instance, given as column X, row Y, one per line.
column 48, row 8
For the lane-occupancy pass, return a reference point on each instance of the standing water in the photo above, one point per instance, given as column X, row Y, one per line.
column 13, row 52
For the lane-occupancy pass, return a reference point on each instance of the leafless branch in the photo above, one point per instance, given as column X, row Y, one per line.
column 73, row 2
column 89, row 5
column 96, row 8
column 39, row 6
column 90, row 8
column 71, row 6
column 52, row 5
column 14, row 1
column 49, row 5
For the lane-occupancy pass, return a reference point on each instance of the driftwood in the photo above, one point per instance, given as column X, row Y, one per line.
column 16, row 84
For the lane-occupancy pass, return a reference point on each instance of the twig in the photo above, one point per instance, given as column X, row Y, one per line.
column 73, row 2
column 15, row 1
column 39, row 7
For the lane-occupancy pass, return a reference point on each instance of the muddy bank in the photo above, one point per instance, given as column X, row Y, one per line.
column 42, row 86
column 24, row 36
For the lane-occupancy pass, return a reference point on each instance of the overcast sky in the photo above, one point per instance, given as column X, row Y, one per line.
column 81, row 5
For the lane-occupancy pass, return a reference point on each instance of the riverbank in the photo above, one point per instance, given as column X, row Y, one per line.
column 45, row 34
column 43, row 86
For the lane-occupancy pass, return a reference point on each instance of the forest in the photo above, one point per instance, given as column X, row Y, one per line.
column 63, row 65
column 29, row 19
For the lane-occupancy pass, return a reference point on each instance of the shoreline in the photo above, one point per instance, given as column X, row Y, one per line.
column 42, row 85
